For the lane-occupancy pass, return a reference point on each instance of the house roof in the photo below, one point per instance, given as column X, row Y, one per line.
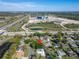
column 61, row 53
column 40, row 41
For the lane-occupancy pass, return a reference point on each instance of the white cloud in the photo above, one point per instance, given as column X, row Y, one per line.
column 26, row 6
column 16, row 5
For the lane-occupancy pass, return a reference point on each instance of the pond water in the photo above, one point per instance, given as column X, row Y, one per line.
column 38, row 28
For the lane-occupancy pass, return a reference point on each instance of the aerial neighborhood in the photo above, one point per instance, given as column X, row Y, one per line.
column 42, row 36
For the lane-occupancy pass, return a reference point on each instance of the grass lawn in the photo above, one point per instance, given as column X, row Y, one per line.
column 67, row 57
column 26, row 50
column 47, row 26
column 72, row 26
column 2, row 24
column 38, row 57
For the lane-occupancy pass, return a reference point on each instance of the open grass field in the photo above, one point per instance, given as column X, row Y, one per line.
column 46, row 26
column 66, row 57
column 2, row 24
column 72, row 26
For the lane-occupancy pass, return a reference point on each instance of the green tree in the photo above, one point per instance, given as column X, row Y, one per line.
column 59, row 36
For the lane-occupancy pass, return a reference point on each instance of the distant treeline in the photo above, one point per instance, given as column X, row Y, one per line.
column 10, row 13
column 69, row 15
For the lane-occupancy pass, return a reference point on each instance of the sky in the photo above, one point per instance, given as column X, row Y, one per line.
column 39, row 5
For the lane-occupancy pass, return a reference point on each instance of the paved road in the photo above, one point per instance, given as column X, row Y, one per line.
column 9, row 25
column 24, row 27
column 24, row 33
column 30, row 53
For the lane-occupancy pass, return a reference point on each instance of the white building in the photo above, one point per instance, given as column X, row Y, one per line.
column 60, row 54
column 48, row 42
column 24, row 57
column 41, row 52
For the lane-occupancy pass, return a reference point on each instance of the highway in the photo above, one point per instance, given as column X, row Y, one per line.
column 9, row 25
